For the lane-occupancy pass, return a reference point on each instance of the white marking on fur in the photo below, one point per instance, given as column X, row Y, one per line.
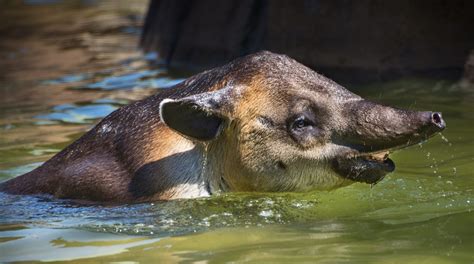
column 162, row 103
column 105, row 128
column 191, row 190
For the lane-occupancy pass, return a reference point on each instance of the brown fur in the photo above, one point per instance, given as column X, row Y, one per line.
column 227, row 129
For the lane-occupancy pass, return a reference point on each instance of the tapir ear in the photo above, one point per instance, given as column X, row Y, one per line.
column 199, row 117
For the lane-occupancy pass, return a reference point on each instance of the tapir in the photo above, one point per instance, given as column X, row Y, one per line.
column 261, row 123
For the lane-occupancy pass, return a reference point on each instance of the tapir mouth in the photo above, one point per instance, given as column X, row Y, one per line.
column 369, row 168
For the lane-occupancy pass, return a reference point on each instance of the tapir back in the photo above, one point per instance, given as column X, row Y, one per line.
column 102, row 164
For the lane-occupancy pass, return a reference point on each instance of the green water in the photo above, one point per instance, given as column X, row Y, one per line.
column 421, row 213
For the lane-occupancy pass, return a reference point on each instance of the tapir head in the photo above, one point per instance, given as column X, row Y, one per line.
column 272, row 124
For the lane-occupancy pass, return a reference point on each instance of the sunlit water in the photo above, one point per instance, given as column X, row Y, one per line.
column 421, row 213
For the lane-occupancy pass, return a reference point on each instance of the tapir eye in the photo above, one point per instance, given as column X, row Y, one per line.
column 300, row 123
column 303, row 129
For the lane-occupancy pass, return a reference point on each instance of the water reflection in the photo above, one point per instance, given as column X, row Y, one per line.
column 46, row 244
column 69, row 113
column 137, row 80
column 441, row 240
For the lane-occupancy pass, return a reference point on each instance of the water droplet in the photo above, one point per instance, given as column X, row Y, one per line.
column 445, row 139
column 266, row 213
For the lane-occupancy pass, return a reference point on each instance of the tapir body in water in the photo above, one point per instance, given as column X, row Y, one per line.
column 263, row 122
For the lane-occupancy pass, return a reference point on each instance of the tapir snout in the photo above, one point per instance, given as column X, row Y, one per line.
column 373, row 127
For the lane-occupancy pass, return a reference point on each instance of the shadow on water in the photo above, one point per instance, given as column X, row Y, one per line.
column 62, row 79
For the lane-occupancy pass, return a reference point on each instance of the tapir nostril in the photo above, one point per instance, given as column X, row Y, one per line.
column 437, row 119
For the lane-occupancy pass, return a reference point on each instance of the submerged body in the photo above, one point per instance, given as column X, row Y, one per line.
column 261, row 123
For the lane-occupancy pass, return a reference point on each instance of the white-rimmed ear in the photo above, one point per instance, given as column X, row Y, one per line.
column 199, row 117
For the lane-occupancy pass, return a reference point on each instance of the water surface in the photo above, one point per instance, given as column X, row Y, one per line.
column 421, row 213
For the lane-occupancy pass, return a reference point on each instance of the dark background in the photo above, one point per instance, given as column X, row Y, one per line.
column 350, row 41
